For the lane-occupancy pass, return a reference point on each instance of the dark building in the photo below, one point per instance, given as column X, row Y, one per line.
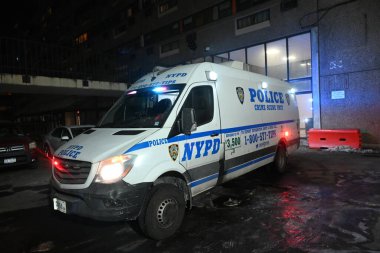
column 328, row 50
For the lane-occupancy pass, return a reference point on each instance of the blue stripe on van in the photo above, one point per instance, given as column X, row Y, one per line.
column 242, row 166
column 182, row 137
column 203, row 180
column 235, row 129
column 231, row 170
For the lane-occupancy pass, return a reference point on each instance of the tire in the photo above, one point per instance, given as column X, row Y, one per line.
column 281, row 159
column 163, row 213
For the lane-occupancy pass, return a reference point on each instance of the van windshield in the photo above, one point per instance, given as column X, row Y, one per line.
column 142, row 108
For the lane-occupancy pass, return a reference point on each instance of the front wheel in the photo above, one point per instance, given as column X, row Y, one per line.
column 164, row 212
column 281, row 159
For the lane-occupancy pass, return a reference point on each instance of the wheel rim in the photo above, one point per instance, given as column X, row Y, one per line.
column 167, row 213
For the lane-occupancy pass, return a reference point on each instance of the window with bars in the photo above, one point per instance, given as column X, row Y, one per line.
column 253, row 19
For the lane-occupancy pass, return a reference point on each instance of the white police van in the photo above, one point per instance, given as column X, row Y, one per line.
column 174, row 134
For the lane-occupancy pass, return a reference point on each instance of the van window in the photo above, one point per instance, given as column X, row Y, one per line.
column 201, row 99
column 57, row 132
column 143, row 108
column 65, row 132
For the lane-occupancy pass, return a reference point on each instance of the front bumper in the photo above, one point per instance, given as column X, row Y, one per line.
column 21, row 158
column 107, row 202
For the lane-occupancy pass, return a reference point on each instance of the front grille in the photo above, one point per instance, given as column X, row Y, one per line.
column 11, row 148
column 71, row 172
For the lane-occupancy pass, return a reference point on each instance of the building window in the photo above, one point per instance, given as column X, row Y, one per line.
column 277, row 60
column 221, row 58
column 81, row 38
column 288, row 59
column 299, row 56
column 203, row 17
column 198, row 60
column 301, row 85
column 288, row 4
column 238, row 55
column 188, row 24
column 199, row 19
column 167, row 6
column 169, row 48
column 256, row 59
column 208, row 59
column 224, row 9
column 252, row 22
column 242, row 5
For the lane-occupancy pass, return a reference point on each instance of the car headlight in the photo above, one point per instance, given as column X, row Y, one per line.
column 115, row 168
column 32, row 145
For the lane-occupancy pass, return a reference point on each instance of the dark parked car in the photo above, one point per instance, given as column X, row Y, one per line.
column 60, row 135
column 16, row 149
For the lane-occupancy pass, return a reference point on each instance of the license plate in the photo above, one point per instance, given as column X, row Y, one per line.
column 9, row 160
column 59, row 205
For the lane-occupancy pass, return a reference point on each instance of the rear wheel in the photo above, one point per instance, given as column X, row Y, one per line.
column 164, row 212
column 281, row 159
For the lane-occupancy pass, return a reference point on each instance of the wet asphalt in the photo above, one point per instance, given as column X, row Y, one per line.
column 325, row 202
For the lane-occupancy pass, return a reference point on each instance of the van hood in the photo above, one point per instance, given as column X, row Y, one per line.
column 98, row 144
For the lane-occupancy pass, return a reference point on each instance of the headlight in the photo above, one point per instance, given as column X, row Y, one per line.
column 114, row 168
column 32, row 145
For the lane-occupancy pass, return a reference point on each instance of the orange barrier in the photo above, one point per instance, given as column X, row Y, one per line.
column 328, row 138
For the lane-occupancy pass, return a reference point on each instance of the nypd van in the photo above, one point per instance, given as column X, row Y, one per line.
column 174, row 134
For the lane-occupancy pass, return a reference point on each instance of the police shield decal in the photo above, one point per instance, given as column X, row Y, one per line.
column 240, row 94
column 173, row 151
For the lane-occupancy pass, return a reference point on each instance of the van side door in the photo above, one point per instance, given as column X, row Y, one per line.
column 200, row 152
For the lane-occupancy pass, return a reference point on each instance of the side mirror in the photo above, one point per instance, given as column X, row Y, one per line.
column 65, row 138
column 188, row 123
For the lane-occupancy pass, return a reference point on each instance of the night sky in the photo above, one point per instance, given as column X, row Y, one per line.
column 18, row 17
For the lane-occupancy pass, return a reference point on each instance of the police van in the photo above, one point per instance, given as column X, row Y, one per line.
column 174, row 134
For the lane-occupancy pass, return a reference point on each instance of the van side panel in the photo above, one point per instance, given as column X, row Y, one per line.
column 154, row 158
column 253, row 119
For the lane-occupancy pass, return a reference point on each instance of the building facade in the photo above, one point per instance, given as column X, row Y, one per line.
column 327, row 49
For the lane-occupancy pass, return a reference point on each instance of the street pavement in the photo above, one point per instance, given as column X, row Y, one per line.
column 326, row 202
